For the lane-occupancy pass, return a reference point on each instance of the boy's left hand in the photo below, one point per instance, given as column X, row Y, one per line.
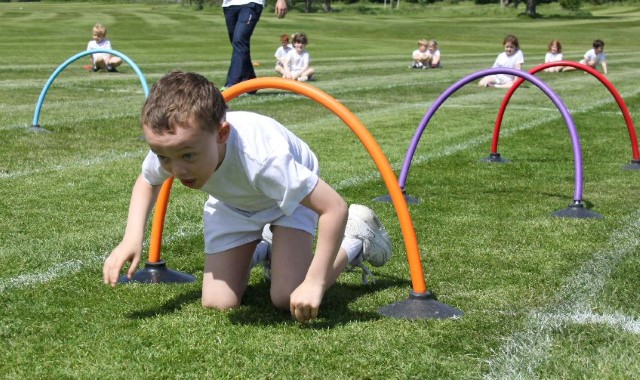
column 305, row 301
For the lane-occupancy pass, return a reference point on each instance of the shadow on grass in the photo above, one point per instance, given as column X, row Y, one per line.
column 173, row 305
column 256, row 308
column 334, row 311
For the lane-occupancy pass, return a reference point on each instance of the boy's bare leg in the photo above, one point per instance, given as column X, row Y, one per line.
column 291, row 255
column 115, row 61
column 99, row 63
column 226, row 276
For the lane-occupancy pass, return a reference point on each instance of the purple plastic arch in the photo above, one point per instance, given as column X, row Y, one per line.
column 623, row 107
column 573, row 133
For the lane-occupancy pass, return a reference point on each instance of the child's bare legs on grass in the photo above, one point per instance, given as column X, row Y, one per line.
column 487, row 81
column 226, row 273
column 306, row 75
column 291, row 255
column 226, row 276
column 106, row 62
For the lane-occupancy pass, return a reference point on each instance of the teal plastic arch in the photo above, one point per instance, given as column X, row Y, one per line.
column 35, row 126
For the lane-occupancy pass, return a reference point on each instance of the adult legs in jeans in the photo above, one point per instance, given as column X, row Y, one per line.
column 241, row 20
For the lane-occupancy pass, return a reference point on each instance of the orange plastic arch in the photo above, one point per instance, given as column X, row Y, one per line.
column 388, row 176
column 155, row 242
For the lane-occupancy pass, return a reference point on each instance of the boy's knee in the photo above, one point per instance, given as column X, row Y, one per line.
column 219, row 303
column 281, row 300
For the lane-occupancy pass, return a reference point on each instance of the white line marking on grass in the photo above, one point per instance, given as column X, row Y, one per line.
column 99, row 160
column 71, row 267
column 56, row 271
column 526, row 350
column 615, row 320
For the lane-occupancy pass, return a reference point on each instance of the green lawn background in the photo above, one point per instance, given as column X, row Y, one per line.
column 543, row 297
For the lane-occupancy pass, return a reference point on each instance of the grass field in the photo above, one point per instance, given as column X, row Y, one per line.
column 543, row 297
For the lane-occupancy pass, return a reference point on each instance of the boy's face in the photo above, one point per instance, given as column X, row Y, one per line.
column 191, row 154
column 422, row 48
column 299, row 46
column 509, row 48
column 97, row 36
column 598, row 49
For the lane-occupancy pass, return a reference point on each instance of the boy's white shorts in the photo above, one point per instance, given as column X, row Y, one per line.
column 226, row 227
column 101, row 57
column 501, row 79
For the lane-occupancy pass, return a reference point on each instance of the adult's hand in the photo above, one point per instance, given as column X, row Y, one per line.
column 281, row 8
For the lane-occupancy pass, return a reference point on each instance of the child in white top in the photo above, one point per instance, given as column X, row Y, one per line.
column 554, row 54
column 596, row 56
column 256, row 173
column 427, row 55
column 281, row 53
column 511, row 58
column 433, row 55
column 297, row 61
column 102, row 61
column 420, row 55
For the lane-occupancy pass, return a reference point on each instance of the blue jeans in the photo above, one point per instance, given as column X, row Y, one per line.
column 241, row 21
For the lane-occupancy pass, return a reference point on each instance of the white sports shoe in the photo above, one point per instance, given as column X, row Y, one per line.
column 262, row 254
column 364, row 225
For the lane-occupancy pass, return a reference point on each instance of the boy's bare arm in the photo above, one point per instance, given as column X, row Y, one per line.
column 332, row 211
column 143, row 197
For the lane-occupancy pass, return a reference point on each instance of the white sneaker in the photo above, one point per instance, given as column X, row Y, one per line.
column 262, row 254
column 364, row 225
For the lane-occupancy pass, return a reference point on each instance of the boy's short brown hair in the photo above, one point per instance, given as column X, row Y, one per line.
column 100, row 30
column 178, row 98
column 300, row 38
column 510, row 38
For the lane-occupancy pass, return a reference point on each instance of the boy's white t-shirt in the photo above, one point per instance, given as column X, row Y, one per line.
column 281, row 52
column 265, row 166
column 508, row 62
column 104, row 44
column 552, row 57
column 297, row 62
column 417, row 54
column 592, row 56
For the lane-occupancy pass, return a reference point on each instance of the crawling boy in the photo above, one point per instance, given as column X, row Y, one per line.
column 256, row 173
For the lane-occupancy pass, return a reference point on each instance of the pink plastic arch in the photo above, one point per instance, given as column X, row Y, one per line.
column 595, row 73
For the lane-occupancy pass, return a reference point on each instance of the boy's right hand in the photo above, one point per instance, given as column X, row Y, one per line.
column 123, row 253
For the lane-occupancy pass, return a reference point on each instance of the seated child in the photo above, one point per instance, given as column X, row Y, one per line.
column 297, row 60
column 420, row 55
column 102, row 61
column 596, row 56
column 554, row 54
column 511, row 58
column 433, row 55
column 281, row 53
column 256, row 173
